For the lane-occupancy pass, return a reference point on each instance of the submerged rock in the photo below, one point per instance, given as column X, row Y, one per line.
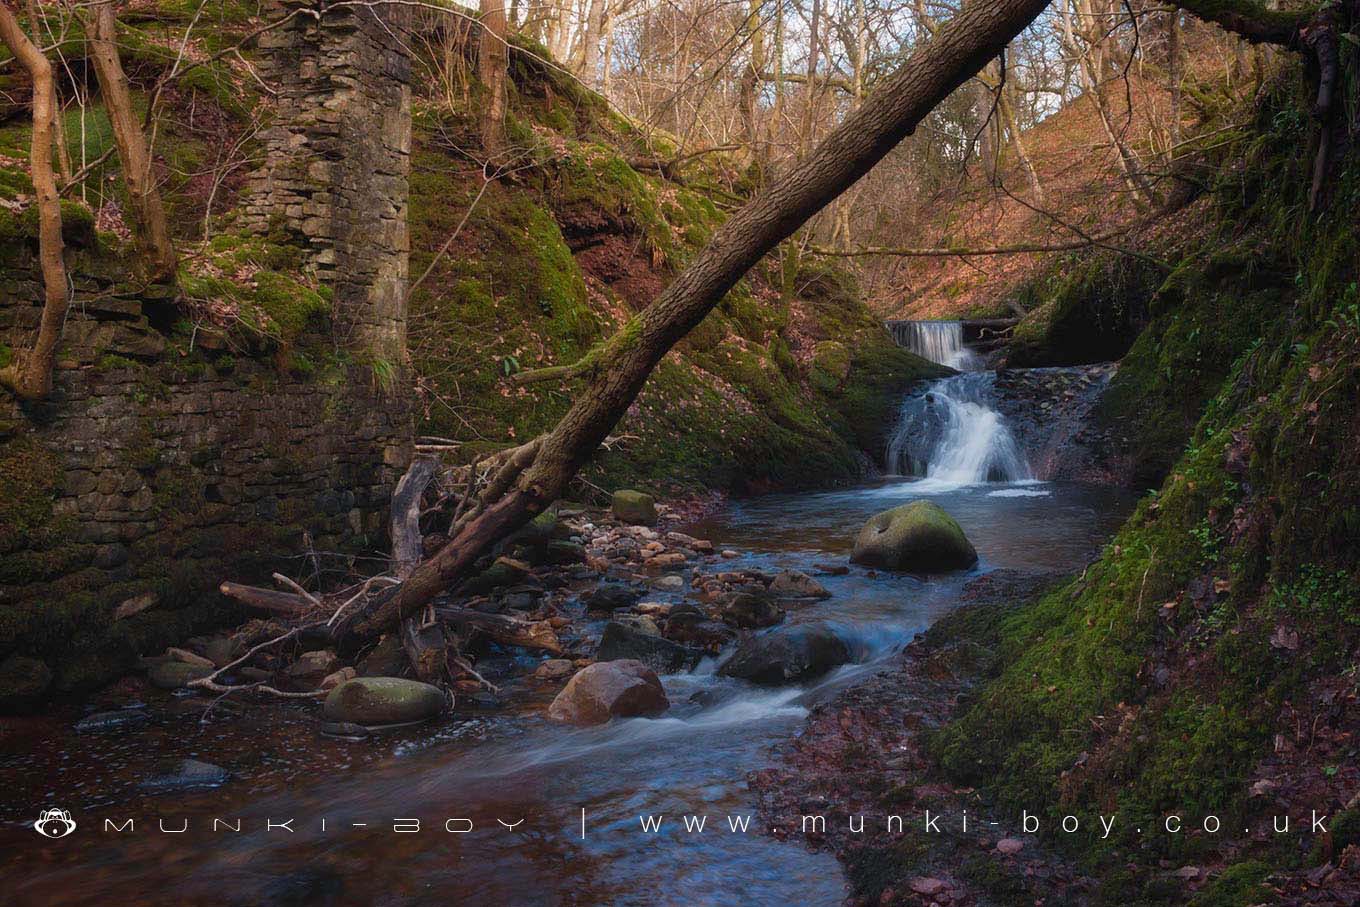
column 634, row 507
column 695, row 629
column 187, row 774
column 383, row 700
column 115, row 720
column 796, row 584
column 621, row 642
column 919, row 537
column 614, row 689
column 787, row 655
column 750, row 610
column 611, row 597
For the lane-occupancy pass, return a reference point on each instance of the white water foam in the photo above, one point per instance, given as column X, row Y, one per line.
column 951, row 436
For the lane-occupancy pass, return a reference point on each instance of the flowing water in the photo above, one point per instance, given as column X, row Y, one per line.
column 938, row 341
column 521, row 784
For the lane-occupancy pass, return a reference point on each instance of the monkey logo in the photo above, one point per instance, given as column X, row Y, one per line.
column 55, row 823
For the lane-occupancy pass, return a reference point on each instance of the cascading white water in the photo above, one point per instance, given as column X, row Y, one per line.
column 938, row 341
column 950, row 432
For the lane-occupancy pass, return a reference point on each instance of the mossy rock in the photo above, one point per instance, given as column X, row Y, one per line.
column 920, row 537
column 383, row 700
column 636, row 507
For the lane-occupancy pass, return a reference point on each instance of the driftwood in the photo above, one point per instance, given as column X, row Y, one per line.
column 426, row 648
column 266, row 599
column 406, row 550
column 508, row 631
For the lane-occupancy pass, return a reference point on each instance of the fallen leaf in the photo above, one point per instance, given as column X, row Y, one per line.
column 1284, row 638
column 927, row 886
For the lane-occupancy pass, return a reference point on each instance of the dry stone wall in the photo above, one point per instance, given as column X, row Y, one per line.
column 337, row 158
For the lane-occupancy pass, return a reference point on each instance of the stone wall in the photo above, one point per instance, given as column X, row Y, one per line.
column 153, row 473
column 337, row 159
column 148, row 477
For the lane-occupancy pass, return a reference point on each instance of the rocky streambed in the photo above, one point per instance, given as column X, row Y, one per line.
column 766, row 580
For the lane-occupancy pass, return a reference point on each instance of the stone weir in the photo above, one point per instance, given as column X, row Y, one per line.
column 143, row 481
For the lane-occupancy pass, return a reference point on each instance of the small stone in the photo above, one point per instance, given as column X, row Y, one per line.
column 927, row 887
column 555, row 669
column 189, row 658
column 334, row 679
column 672, row 582
column 344, row 730
column 187, row 774
column 795, row 584
column 314, row 664
column 669, row 559
column 1010, row 845
column 135, row 605
column 172, row 675
column 730, row 554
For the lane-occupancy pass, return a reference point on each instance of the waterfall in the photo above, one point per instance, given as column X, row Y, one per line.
column 938, row 341
column 950, row 432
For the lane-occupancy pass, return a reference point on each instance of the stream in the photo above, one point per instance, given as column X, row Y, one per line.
column 521, row 784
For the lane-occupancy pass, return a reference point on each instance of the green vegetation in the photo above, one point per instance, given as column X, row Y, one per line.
column 1156, row 680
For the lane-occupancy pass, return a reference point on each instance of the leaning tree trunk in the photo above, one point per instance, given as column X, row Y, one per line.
column 30, row 374
column 537, row 473
column 153, row 233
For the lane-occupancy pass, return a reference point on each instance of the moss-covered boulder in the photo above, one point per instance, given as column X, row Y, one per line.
column 383, row 700
column 920, row 537
column 636, row 507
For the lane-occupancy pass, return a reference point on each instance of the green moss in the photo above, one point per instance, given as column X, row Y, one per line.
column 1239, row 885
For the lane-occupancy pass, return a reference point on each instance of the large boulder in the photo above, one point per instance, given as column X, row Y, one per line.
column 919, row 537
column 383, row 700
column 610, row 689
column 620, row 642
column 634, row 507
column 787, row 655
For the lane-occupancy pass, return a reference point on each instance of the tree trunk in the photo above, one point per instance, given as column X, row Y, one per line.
column 594, row 33
column 30, row 374
column 153, row 233
column 533, row 476
column 493, row 61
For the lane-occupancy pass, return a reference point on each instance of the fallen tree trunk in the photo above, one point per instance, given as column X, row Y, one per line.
column 505, row 630
column 531, row 481
column 266, row 599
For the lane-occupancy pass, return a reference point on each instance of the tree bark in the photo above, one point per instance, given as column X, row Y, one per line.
column 493, row 61
column 29, row 376
column 533, row 477
column 153, row 233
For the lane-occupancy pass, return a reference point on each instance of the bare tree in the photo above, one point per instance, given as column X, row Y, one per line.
column 153, row 233
column 493, row 60
column 30, row 374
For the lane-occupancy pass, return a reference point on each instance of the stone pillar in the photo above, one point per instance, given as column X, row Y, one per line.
column 337, row 160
